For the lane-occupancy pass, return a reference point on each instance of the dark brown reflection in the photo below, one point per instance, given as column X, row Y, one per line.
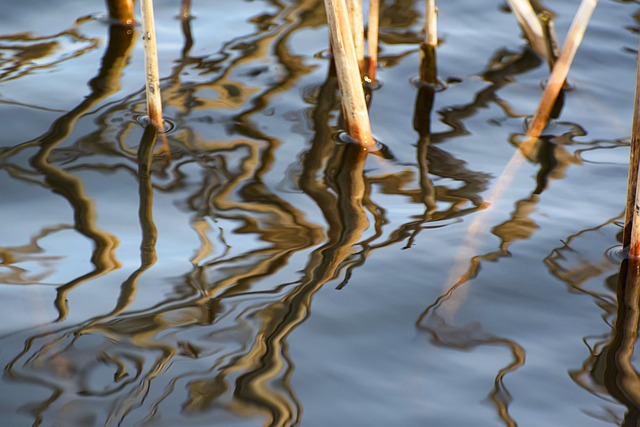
column 620, row 376
column 610, row 369
column 572, row 264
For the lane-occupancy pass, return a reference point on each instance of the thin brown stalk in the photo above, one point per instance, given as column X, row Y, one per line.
column 531, row 27
column 354, row 8
column 121, row 11
column 344, row 54
column 559, row 73
column 372, row 38
column 154, row 99
column 631, row 222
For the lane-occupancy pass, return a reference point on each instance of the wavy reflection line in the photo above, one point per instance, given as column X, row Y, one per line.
column 469, row 337
column 71, row 187
column 267, row 359
column 264, row 362
column 26, row 56
column 621, row 377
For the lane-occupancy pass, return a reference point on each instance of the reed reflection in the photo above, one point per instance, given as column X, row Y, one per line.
column 609, row 370
column 71, row 187
column 217, row 342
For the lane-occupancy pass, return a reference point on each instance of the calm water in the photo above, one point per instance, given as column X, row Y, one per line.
column 263, row 273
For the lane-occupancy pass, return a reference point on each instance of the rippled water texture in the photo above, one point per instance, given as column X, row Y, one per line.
column 253, row 269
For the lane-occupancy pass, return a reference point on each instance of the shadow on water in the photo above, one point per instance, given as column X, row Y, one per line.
column 215, row 346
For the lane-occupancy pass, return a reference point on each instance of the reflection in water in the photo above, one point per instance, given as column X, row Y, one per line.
column 214, row 345
column 468, row 337
column 609, row 371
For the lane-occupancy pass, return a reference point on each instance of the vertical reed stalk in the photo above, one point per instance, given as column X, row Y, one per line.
column 372, row 38
column 154, row 99
column 428, row 66
column 530, row 25
column 560, row 69
column 357, row 31
column 344, row 54
column 431, row 24
column 631, row 235
column 121, row 11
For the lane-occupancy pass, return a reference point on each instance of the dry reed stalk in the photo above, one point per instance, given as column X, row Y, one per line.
column 154, row 99
column 372, row 38
column 477, row 229
column 428, row 66
column 344, row 54
column 354, row 8
column 121, row 11
column 631, row 235
column 431, row 24
column 559, row 74
column 530, row 24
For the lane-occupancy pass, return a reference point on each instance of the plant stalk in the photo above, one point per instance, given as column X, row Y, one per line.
column 154, row 99
column 121, row 11
column 560, row 70
column 344, row 55
column 372, row 38
column 357, row 31
column 631, row 235
column 531, row 27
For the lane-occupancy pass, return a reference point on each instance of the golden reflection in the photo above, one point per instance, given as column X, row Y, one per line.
column 71, row 187
column 27, row 52
column 216, row 339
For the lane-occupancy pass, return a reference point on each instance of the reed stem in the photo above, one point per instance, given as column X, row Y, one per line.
column 354, row 8
column 561, row 69
column 372, row 38
column 121, row 11
column 344, row 55
column 431, row 24
column 631, row 235
column 531, row 27
column 154, row 99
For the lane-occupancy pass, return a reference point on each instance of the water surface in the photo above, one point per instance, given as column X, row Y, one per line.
column 266, row 273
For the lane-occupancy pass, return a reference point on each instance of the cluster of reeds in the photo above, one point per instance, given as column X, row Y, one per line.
column 346, row 26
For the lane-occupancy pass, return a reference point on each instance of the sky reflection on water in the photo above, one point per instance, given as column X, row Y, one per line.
column 263, row 272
